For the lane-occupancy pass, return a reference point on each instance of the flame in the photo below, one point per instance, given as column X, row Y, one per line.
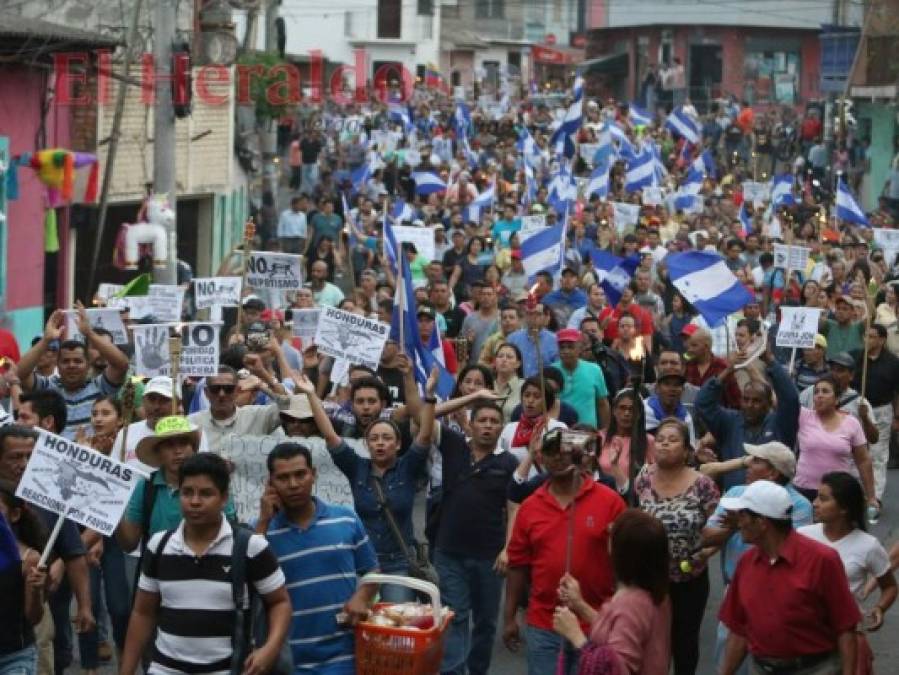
column 636, row 352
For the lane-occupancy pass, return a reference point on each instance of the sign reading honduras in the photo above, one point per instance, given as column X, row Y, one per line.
column 78, row 483
column 705, row 281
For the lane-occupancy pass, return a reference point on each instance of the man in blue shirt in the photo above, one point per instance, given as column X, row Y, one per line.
column 503, row 229
column 292, row 226
column 322, row 549
column 585, row 385
column 567, row 298
column 525, row 339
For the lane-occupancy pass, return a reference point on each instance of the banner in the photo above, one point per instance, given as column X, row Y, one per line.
column 653, row 196
column 888, row 240
column 78, row 483
column 422, row 237
column 278, row 271
column 199, row 350
column 350, row 336
column 531, row 225
column 109, row 319
column 792, row 257
column 798, row 326
column 217, row 291
column 162, row 302
column 305, row 324
column 626, row 215
column 248, row 454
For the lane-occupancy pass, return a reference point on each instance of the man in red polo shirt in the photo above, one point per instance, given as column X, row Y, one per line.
column 608, row 318
column 789, row 604
column 562, row 527
column 703, row 365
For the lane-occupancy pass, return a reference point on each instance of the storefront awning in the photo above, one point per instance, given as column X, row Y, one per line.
column 612, row 64
column 556, row 55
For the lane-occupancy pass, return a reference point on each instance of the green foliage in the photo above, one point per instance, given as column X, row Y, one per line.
column 271, row 87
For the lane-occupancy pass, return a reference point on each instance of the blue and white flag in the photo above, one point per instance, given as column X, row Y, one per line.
column 706, row 282
column 397, row 112
column 486, row 199
column 782, row 190
column 462, row 119
column 360, row 176
column 613, row 273
column 705, row 164
column 542, row 251
column 641, row 171
column 529, row 195
column 401, row 211
column 445, row 382
column 692, row 184
column 683, row 124
column 847, row 208
column 638, row 116
column 527, row 146
column 562, row 190
column 599, row 182
column 745, row 221
column 427, row 183
column 572, row 121
column 686, row 202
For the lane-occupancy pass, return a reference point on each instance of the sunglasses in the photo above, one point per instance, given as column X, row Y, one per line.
column 216, row 389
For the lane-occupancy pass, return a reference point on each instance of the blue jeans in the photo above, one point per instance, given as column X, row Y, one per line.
column 472, row 589
column 543, row 652
column 60, row 604
column 22, row 662
column 110, row 573
column 309, row 178
column 392, row 592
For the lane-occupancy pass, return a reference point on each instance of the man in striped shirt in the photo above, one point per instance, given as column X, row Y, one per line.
column 185, row 588
column 322, row 549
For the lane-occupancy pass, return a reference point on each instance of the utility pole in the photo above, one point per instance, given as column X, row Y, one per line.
column 268, row 132
column 164, row 20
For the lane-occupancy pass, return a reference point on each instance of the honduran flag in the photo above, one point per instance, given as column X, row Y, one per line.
column 427, row 183
column 706, row 282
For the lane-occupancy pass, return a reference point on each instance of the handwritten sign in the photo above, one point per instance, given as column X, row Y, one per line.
column 162, row 302
column 77, row 482
column 217, row 291
column 653, row 196
column 277, row 271
column 798, row 326
column 352, row 337
column 755, row 192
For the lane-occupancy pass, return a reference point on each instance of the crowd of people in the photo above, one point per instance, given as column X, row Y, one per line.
column 603, row 440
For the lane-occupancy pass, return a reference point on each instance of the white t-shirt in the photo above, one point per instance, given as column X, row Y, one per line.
column 137, row 431
column 863, row 555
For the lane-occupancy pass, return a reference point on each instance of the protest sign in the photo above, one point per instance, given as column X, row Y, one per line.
column 77, row 482
column 791, row 257
column 199, row 350
column 773, row 229
column 221, row 291
column 653, row 196
column 755, row 192
column 162, row 302
column 248, row 455
column 108, row 319
column 888, row 240
column 421, row 237
column 106, row 291
column 626, row 215
column 278, row 271
column 305, row 323
column 531, row 225
column 350, row 336
column 798, row 326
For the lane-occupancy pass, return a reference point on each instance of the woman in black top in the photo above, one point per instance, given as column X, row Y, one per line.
column 22, row 583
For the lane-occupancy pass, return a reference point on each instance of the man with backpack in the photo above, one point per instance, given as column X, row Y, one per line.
column 195, row 582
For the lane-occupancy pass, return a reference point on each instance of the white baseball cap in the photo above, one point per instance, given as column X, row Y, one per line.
column 764, row 498
column 161, row 385
column 775, row 453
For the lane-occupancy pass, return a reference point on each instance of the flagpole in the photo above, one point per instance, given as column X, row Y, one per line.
column 249, row 233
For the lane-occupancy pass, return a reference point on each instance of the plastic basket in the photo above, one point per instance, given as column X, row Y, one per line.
column 386, row 650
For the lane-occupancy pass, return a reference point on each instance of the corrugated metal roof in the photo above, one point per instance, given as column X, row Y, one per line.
column 20, row 28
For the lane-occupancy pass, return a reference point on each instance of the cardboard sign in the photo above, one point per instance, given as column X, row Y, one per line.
column 350, row 336
column 217, row 291
column 798, row 327
column 199, row 350
column 421, row 237
column 106, row 291
column 248, row 455
column 109, row 319
column 791, row 257
column 274, row 271
column 305, row 324
column 77, row 482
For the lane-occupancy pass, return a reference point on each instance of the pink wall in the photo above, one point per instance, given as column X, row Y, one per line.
column 20, row 97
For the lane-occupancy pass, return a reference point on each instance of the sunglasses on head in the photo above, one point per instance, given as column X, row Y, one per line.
column 217, row 389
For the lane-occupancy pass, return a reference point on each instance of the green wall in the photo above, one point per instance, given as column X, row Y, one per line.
column 882, row 118
column 229, row 215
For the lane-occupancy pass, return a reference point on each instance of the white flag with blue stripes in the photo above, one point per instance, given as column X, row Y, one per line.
column 542, row 251
column 683, row 124
column 427, row 183
column 847, row 208
column 706, row 282
column 486, row 199
column 641, row 171
column 599, row 182
column 638, row 116
column 782, row 190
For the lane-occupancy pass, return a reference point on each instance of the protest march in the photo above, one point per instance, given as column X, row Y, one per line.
column 543, row 381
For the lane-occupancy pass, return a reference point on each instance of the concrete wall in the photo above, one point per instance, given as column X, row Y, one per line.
column 883, row 133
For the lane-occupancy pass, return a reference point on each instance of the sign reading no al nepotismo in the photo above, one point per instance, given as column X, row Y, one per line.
column 78, row 483
column 278, row 271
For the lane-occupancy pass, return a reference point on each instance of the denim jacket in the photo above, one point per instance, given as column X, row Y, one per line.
column 399, row 482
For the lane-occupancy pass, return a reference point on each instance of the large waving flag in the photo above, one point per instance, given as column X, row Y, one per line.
column 782, row 190
column 613, row 273
column 705, row 281
column 462, row 119
column 638, row 116
column 705, row 164
column 562, row 190
column 572, row 121
column 641, row 171
column 542, row 251
column 683, row 124
column 397, row 112
column 692, row 184
column 527, row 146
column 599, row 182
column 486, row 199
column 427, row 183
column 847, row 208
column 360, row 176
column 401, row 211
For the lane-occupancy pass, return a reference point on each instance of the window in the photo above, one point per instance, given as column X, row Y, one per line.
column 490, row 9
column 426, row 7
column 390, row 15
column 883, row 60
column 770, row 76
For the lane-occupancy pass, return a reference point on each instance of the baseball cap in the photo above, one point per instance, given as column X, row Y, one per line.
column 299, row 407
column 568, row 335
column 253, row 302
column 161, row 385
column 521, row 296
column 820, row 341
column 426, row 311
column 775, row 453
column 672, row 376
column 842, row 359
column 764, row 498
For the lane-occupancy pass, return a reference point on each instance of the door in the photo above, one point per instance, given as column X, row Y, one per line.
column 705, row 74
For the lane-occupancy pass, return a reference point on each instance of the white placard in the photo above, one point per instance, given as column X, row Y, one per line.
column 773, row 230
column 217, row 291
column 653, row 196
column 755, row 192
column 106, row 291
column 165, row 302
column 422, row 237
column 531, row 225
column 274, row 271
column 248, row 455
column 106, row 318
column 77, row 482
column 199, row 350
column 626, row 215
column 888, row 240
column 792, row 257
column 350, row 336
column 305, row 324
column 798, row 327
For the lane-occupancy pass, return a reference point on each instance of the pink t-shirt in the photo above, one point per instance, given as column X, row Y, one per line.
column 822, row 451
column 638, row 630
column 608, row 451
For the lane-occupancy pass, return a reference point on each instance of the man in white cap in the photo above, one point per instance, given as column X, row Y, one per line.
column 157, row 403
column 788, row 605
column 773, row 462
